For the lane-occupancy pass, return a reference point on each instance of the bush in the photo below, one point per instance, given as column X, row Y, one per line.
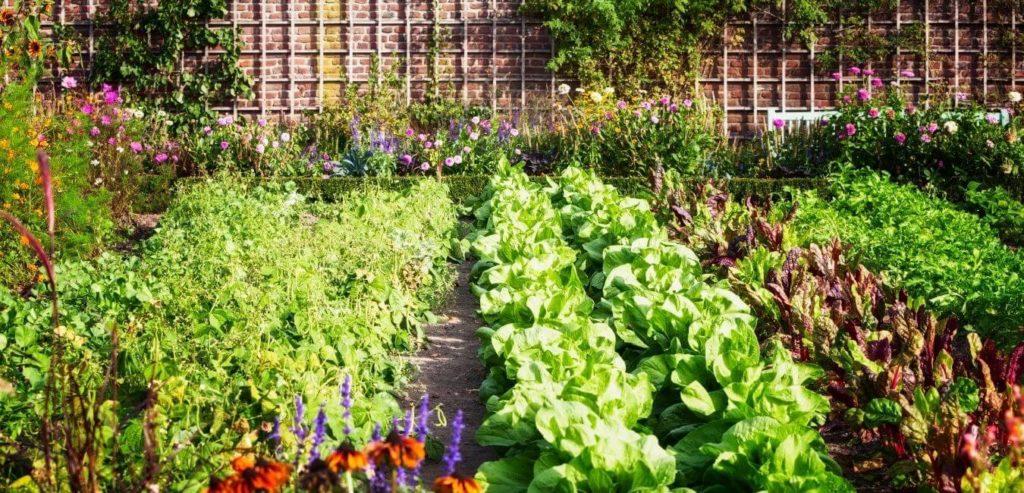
column 947, row 257
column 998, row 209
column 245, row 298
column 933, row 145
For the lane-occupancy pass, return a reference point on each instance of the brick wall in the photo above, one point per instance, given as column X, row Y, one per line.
column 302, row 53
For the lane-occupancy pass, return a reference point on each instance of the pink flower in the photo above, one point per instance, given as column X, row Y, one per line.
column 428, row 144
column 466, row 150
column 855, row 70
column 112, row 141
column 110, row 95
column 778, row 123
column 933, row 127
column 262, row 122
column 425, row 166
column 88, row 109
column 991, row 118
column 688, row 103
column 655, row 119
column 207, row 130
column 69, row 83
column 621, row 105
column 876, row 82
column 900, row 137
column 407, row 159
column 458, row 159
column 135, row 147
column 665, row 100
column 837, row 76
column 474, row 135
column 961, row 96
column 449, row 162
column 646, row 105
column 673, row 108
column 873, row 113
column 409, row 132
column 851, row 129
column 94, row 131
column 863, row 94
column 906, row 73
column 926, row 138
column 224, row 145
column 225, row 121
column 160, row 158
column 869, row 72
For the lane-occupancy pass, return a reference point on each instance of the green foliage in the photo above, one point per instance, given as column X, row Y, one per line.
column 998, row 209
column 83, row 210
column 143, row 46
column 696, row 363
column 245, row 298
column 944, row 256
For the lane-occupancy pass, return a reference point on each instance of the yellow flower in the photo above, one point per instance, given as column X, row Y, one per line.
column 596, row 96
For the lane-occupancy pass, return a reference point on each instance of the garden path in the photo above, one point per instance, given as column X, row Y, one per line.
column 451, row 373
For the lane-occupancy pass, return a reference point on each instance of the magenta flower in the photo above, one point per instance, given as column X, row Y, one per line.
column 900, row 138
column 88, row 109
column 105, row 120
column 873, row 113
column 262, row 122
column 876, row 82
column 778, row 123
column 961, row 96
column 855, row 70
column 851, row 129
column 906, row 73
column 665, row 100
column 933, row 127
column 160, row 158
column 94, row 131
column 673, row 108
column 69, row 83
column 449, row 162
column 863, row 94
column 425, row 166
column 111, row 96
column 224, row 145
column 135, row 147
column 926, row 138
column 869, row 72
column 407, row 159
column 112, row 141
column 837, row 76
column 688, row 103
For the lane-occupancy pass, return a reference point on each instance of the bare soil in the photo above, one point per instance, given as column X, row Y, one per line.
column 451, row 373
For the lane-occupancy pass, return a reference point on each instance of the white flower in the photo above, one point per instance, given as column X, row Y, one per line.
column 608, row 91
column 1014, row 96
column 98, row 181
column 260, row 148
column 579, row 90
column 120, row 149
column 168, row 123
column 951, row 127
column 285, row 137
column 275, row 144
column 596, row 96
column 95, row 162
column 564, row 89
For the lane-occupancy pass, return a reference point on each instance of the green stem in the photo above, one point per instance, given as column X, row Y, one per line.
column 348, row 482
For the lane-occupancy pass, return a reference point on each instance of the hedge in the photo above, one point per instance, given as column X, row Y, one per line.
column 465, row 187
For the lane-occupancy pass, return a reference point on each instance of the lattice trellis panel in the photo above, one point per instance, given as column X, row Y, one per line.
column 302, row 53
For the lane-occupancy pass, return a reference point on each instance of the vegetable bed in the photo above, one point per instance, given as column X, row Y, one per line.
column 244, row 298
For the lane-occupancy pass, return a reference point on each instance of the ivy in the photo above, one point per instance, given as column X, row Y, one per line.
column 643, row 44
column 143, row 48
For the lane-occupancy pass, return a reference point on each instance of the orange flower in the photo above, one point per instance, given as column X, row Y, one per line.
column 397, row 451
column 456, row 484
column 34, row 48
column 346, row 459
column 251, row 476
column 7, row 17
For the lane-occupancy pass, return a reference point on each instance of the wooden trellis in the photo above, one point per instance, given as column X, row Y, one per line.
column 289, row 54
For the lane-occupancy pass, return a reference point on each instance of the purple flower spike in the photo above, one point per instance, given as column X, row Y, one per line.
column 452, row 456
column 319, row 433
column 275, row 432
column 377, row 432
column 346, row 403
column 407, row 426
column 423, row 423
column 300, row 416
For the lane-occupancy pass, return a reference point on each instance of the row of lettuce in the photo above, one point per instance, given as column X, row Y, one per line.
column 910, row 307
column 245, row 298
column 659, row 384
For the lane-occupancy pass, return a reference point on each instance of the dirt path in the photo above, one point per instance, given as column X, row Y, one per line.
column 451, row 373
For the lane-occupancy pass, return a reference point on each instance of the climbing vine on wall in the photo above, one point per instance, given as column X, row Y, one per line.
column 637, row 44
column 144, row 46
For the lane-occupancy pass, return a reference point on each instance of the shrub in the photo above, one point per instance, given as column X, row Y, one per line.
column 998, row 209
column 933, row 145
